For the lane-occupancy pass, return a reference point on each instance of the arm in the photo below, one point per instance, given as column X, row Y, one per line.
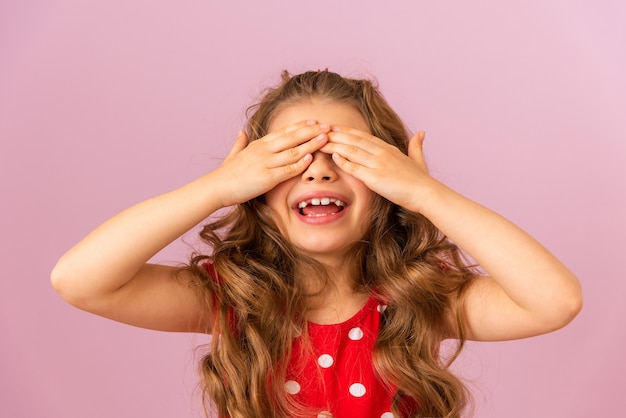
column 528, row 291
column 106, row 273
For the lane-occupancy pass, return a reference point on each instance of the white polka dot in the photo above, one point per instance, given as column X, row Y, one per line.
column 324, row 414
column 292, row 387
column 381, row 308
column 357, row 390
column 325, row 360
column 387, row 415
column 355, row 334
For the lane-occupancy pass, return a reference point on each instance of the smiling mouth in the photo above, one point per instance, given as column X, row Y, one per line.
column 318, row 207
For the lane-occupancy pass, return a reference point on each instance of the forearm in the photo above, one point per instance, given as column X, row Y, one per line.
column 109, row 257
column 529, row 292
column 529, row 274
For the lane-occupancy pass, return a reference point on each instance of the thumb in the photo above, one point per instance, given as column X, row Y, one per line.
column 240, row 143
column 415, row 145
column 415, row 151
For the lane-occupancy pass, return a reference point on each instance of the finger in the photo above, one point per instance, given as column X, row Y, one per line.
column 356, row 145
column 291, row 155
column 294, row 139
column 291, row 170
column 350, row 152
column 349, row 131
column 298, row 125
column 345, row 164
column 294, row 134
column 240, row 143
column 276, row 133
column 356, row 138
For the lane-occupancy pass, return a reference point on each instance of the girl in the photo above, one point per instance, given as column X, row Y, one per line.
column 332, row 282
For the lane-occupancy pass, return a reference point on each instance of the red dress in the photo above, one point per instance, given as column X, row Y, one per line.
column 337, row 378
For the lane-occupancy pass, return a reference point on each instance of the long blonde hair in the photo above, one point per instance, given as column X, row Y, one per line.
column 403, row 259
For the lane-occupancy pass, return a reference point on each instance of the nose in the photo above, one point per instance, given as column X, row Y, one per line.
column 322, row 169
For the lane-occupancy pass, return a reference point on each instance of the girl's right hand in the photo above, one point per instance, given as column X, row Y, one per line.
column 251, row 169
column 106, row 272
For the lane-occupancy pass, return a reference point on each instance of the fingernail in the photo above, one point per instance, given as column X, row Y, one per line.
column 311, row 122
column 335, row 128
column 320, row 137
column 324, row 126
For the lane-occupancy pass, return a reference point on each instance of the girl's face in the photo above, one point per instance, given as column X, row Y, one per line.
column 324, row 210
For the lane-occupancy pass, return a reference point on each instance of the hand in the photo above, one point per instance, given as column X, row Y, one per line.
column 381, row 166
column 249, row 170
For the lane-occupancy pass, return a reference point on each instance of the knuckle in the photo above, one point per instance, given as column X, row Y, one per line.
column 271, row 147
column 294, row 133
column 291, row 170
column 293, row 152
column 351, row 167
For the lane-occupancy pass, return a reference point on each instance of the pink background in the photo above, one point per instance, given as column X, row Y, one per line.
column 103, row 104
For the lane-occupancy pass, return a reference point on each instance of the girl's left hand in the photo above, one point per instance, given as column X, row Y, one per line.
column 381, row 166
column 529, row 292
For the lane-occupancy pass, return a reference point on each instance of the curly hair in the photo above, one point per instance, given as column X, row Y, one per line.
column 258, row 309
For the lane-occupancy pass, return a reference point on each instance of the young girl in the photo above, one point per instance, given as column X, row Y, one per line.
column 331, row 283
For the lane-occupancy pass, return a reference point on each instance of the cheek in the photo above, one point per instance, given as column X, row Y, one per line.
column 364, row 194
column 369, row 209
column 276, row 201
column 277, row 197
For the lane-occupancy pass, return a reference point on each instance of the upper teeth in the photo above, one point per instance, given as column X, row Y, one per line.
column 321, row 201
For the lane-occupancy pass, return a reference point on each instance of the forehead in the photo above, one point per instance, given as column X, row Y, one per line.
column 330, row 112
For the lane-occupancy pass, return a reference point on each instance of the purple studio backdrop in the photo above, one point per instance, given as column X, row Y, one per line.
column 103, row 104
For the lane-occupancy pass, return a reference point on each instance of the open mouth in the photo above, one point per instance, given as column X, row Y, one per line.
column 318, row 207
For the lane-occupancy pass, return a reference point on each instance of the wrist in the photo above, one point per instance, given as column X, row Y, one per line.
column 209, row 192
column 424, row 199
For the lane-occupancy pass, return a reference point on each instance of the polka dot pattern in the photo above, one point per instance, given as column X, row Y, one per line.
column 325, row 361
column 337, row 377
column 357, row 390
column 355, row 334
column 292, row 387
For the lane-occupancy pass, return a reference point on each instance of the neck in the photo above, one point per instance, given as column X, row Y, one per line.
column 334, row 300
column 337, row 277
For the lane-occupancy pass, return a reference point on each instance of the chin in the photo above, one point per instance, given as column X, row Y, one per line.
column 324, row 252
